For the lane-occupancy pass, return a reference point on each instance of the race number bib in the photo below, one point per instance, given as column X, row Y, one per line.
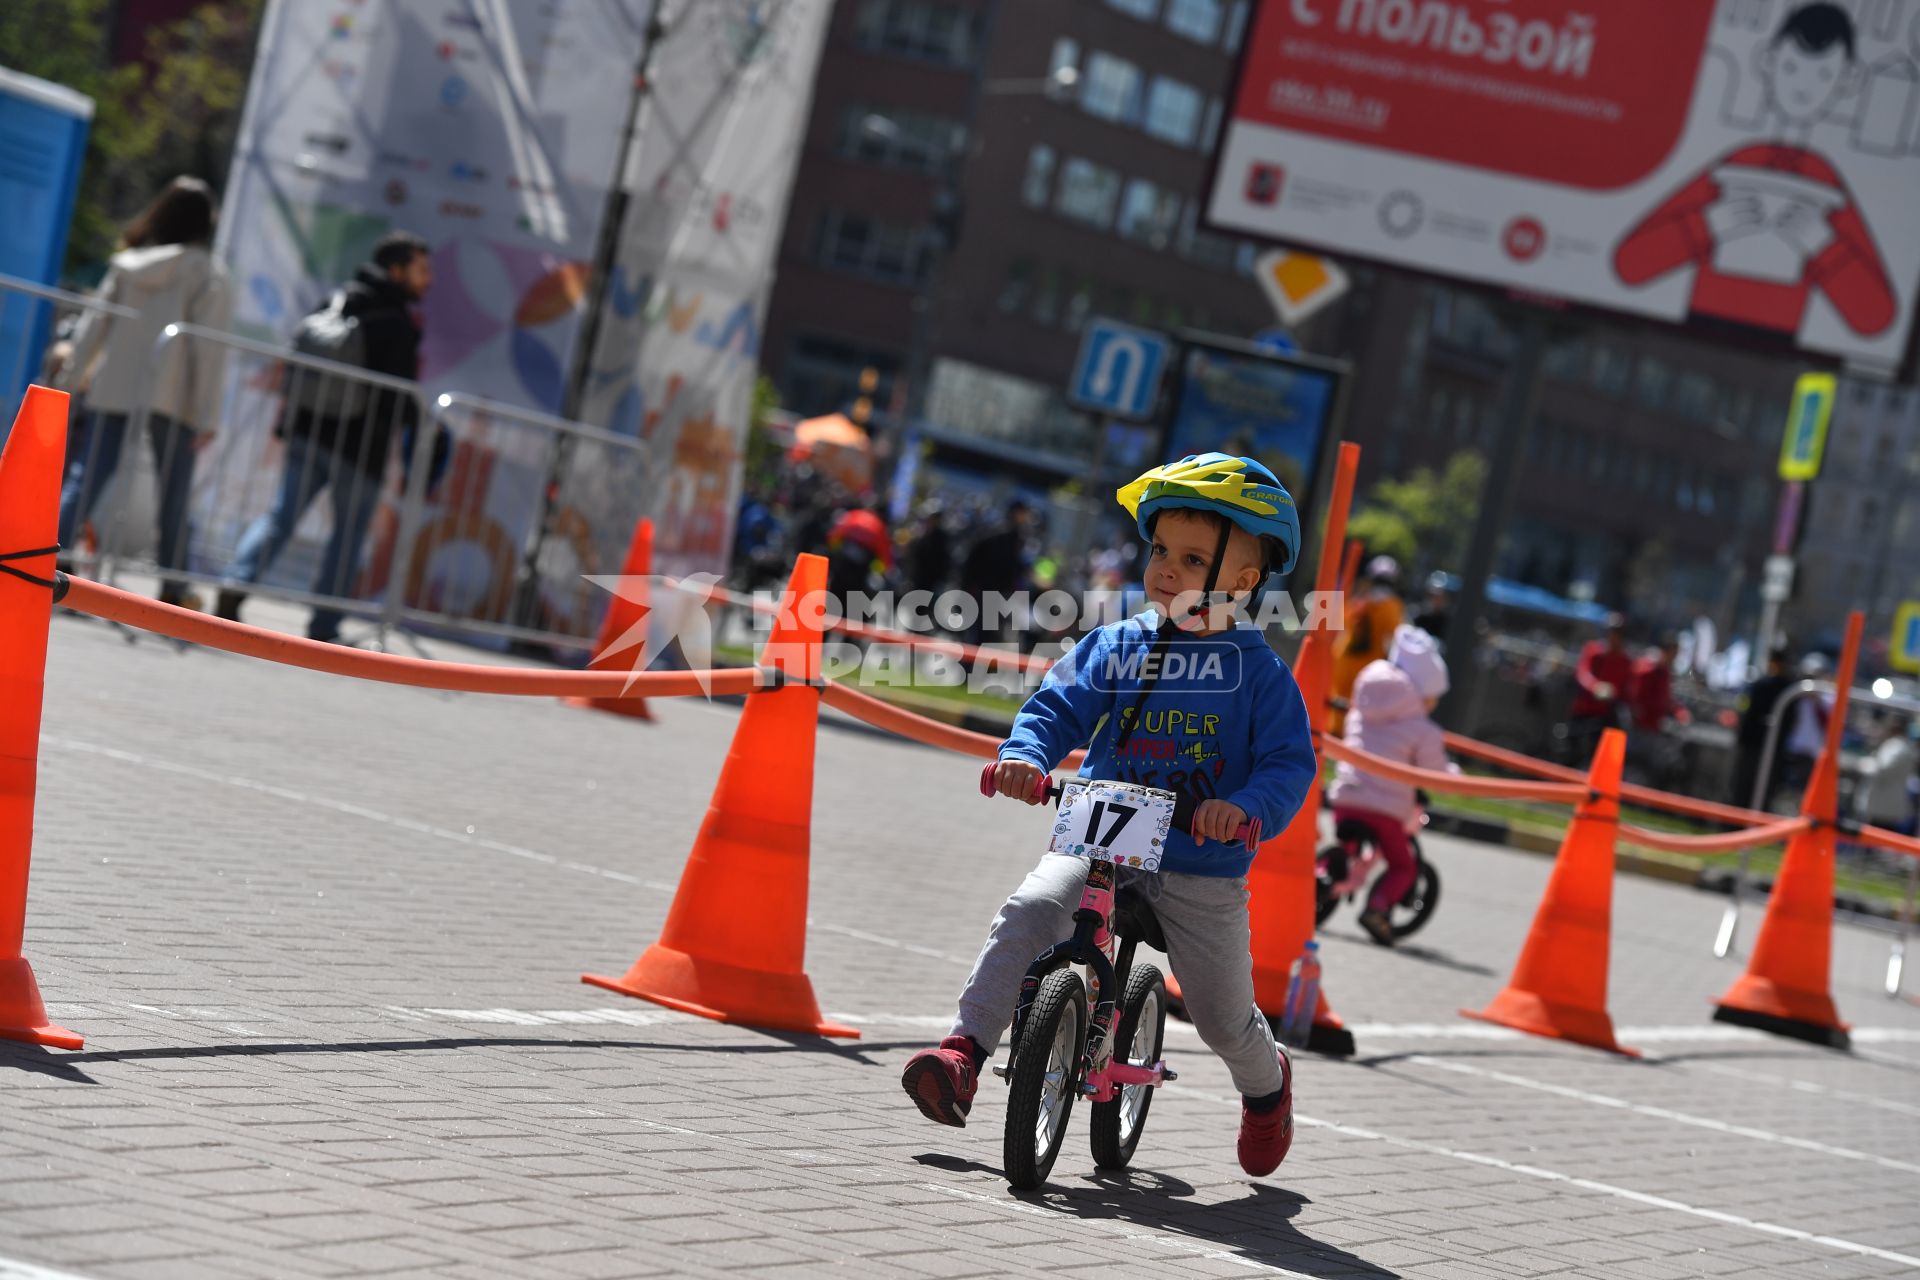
column 1114, row 822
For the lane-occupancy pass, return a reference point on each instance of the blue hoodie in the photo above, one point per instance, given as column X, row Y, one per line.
column 1225, row 721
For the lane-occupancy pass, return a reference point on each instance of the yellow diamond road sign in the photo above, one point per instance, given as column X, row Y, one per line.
column 1298, row 284
column 1807, row 419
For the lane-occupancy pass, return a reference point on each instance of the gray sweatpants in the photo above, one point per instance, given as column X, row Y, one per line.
column 1205, row 921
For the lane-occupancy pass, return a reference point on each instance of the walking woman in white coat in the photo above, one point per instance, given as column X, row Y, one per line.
column 166, row 273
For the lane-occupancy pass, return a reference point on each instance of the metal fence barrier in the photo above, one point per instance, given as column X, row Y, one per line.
column 464, row 541
column 32, row 318
column 443, row 498
column 1764, row 787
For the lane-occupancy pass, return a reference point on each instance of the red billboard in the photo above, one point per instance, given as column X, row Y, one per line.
column 1746, row 163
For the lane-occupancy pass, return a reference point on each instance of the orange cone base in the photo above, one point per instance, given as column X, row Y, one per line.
column 635, row 707
column 22, row 1016
column 724, row 992
column 1766, row 1006
column 1524, row 1011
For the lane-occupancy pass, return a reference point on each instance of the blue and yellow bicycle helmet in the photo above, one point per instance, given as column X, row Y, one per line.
column 1241, row 489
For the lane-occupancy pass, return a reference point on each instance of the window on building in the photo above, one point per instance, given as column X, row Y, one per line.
column 1088, row 192
column 1149, row 213
column 1144, row 9
column 1870, row 519
column 1196, row 19
column 1046, row 298
column 1438, row 406
column 1651, row 382
column 1612, row 370
column 1210, row 127
column 1018, row 286
column 1200, row 246
column 888, row 251
column 1245, row 255
column 902, row 139
column 1079, row 304
column 917, row 29
column 822, row 374
column 1694, row 397
column 1463, row 416
column 1236, row 26
column 1037, row 187
column 1110, row 88
column 1173, row 111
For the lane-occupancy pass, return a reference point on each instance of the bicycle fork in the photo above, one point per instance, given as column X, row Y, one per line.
column 1094, row 945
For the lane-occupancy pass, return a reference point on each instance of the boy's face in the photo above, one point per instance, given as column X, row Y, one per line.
column 1803, row 85
column 1183, row 546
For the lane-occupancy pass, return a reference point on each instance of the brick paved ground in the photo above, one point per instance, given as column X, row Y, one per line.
column 324, row 941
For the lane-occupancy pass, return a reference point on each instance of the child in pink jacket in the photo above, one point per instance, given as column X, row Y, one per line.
column 1389, row 716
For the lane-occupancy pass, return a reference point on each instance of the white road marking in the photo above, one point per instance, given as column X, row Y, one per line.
column 1663, row 1113
column 1808, row 1086
column 1114, row 1227
column 1585, row 1184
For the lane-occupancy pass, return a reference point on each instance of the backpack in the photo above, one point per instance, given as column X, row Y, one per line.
column 330, row 334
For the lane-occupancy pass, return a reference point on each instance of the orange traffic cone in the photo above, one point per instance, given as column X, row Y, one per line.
column 735, row 937
column 1559, row 987
column 30, row 469
column 1280, row 884
column 1787, row 986
column 623, row 634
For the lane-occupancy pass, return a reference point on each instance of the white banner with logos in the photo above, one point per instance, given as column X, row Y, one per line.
column 679, row 347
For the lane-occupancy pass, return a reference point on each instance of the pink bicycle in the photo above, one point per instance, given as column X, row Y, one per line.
column 1061, row 1048
column 1344, row 870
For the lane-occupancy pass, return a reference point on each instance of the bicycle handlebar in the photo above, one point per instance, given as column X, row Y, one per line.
column 1247, row 834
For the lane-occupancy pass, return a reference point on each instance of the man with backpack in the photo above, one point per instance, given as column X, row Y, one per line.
column 339, row 431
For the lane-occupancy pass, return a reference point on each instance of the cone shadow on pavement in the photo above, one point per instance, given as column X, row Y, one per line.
column 735, row 938
column 1559, row 985
column 30, row 468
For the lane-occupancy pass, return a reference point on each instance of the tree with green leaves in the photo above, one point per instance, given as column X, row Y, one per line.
column 176, row 114
column 1425, row 519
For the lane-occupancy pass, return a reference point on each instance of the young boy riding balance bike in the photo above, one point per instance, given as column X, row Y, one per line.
column 1183, row 699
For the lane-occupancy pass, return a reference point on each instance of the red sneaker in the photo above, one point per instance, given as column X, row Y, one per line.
column 941, row 1081
column 1266, row 1136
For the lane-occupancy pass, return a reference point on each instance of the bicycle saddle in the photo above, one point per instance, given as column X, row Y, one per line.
column 1133, row 917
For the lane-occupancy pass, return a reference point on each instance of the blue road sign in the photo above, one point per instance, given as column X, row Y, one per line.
column 1119, row 369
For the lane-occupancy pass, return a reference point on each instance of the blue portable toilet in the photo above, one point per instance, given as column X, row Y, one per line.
column 43, row 143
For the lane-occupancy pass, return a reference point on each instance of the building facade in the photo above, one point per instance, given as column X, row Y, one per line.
column 958, row 218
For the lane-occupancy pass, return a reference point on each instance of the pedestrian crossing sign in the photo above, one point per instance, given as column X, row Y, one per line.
column 1904, row 652
column 1806, row 437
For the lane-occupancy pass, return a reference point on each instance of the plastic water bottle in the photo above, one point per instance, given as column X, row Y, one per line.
column 1303, row 997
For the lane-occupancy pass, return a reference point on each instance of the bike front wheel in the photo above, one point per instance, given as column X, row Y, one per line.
column 1045, row 1079
column 1117, row 1125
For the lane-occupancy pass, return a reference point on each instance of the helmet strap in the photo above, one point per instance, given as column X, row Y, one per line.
column 1130, row 716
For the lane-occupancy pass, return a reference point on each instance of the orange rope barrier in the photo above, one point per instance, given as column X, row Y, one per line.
column 1646, row 797
column 860, row 630
column 115, row 605
column 884, row 715
column 1458, row 783
column 1726, row 842
column 1890, row 840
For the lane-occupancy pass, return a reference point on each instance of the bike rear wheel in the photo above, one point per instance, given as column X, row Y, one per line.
column 1415, row 907
column 1045, row 1079
column 1117, row 1125
column 1329, row 868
